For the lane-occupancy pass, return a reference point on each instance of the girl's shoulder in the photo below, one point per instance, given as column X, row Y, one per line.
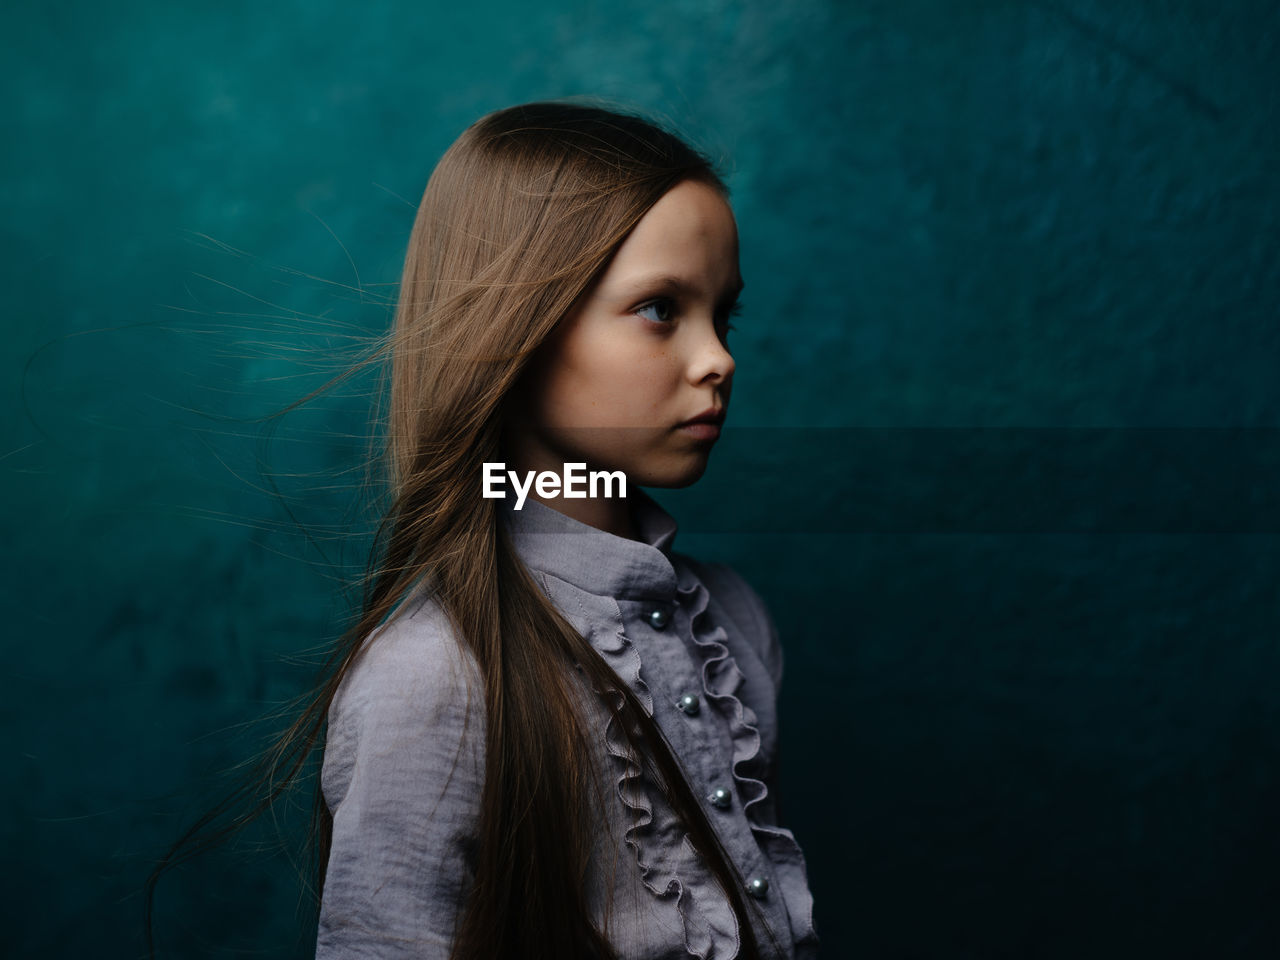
column 412, row 668
column 740, row 603
column 410, row 700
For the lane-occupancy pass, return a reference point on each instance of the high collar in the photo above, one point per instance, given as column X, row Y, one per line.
column 594, row 560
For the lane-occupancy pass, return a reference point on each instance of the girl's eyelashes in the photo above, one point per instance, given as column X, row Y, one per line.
column 669, row 304
column 734, row 311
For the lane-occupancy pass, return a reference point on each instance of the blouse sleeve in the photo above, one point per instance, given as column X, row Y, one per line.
column 402, row 775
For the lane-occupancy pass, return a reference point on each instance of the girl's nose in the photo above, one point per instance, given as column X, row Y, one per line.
column 712, row 359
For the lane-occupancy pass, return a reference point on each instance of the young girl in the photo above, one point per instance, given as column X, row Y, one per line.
column 549, row 734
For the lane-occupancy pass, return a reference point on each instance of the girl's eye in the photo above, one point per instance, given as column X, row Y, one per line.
column 655, row 305
column 663, row 304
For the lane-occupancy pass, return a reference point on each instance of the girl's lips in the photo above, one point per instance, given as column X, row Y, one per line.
column 701, row 431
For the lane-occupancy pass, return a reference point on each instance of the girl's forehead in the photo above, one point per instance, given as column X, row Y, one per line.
column 686, row 237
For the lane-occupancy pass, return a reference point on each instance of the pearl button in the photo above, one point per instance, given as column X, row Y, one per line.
column 720, row 797
column 758, row 886
column 658, row 618
column 689, row 704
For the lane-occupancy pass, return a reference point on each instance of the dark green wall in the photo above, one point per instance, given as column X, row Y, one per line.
column 1009, row 730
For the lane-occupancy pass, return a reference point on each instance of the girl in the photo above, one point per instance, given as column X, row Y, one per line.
column 549, row 734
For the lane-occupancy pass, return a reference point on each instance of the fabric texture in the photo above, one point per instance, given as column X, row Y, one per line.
column 403, row 765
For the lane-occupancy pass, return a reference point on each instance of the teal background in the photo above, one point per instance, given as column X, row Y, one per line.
column 997, row 214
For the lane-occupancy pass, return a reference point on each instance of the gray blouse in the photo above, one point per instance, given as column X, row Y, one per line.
column 403, row 765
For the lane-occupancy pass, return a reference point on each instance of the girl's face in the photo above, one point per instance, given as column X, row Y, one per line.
column 642, row 351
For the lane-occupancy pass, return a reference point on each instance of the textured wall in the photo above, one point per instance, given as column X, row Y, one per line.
column 1050, row 739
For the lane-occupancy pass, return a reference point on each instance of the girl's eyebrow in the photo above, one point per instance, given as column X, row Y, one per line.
column 640, row 284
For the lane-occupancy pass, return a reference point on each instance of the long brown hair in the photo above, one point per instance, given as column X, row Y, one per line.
column 519, row 218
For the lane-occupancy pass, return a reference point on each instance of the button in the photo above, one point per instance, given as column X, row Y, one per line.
column 658, row 618
column 720, row 797
column 689, row 704
column 758, row 886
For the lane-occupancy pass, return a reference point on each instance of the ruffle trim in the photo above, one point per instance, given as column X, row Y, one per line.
column 721, row 680
column 671, row 866
column 666, row 868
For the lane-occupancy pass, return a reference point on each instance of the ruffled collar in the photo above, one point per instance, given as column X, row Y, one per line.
column 594, row 560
